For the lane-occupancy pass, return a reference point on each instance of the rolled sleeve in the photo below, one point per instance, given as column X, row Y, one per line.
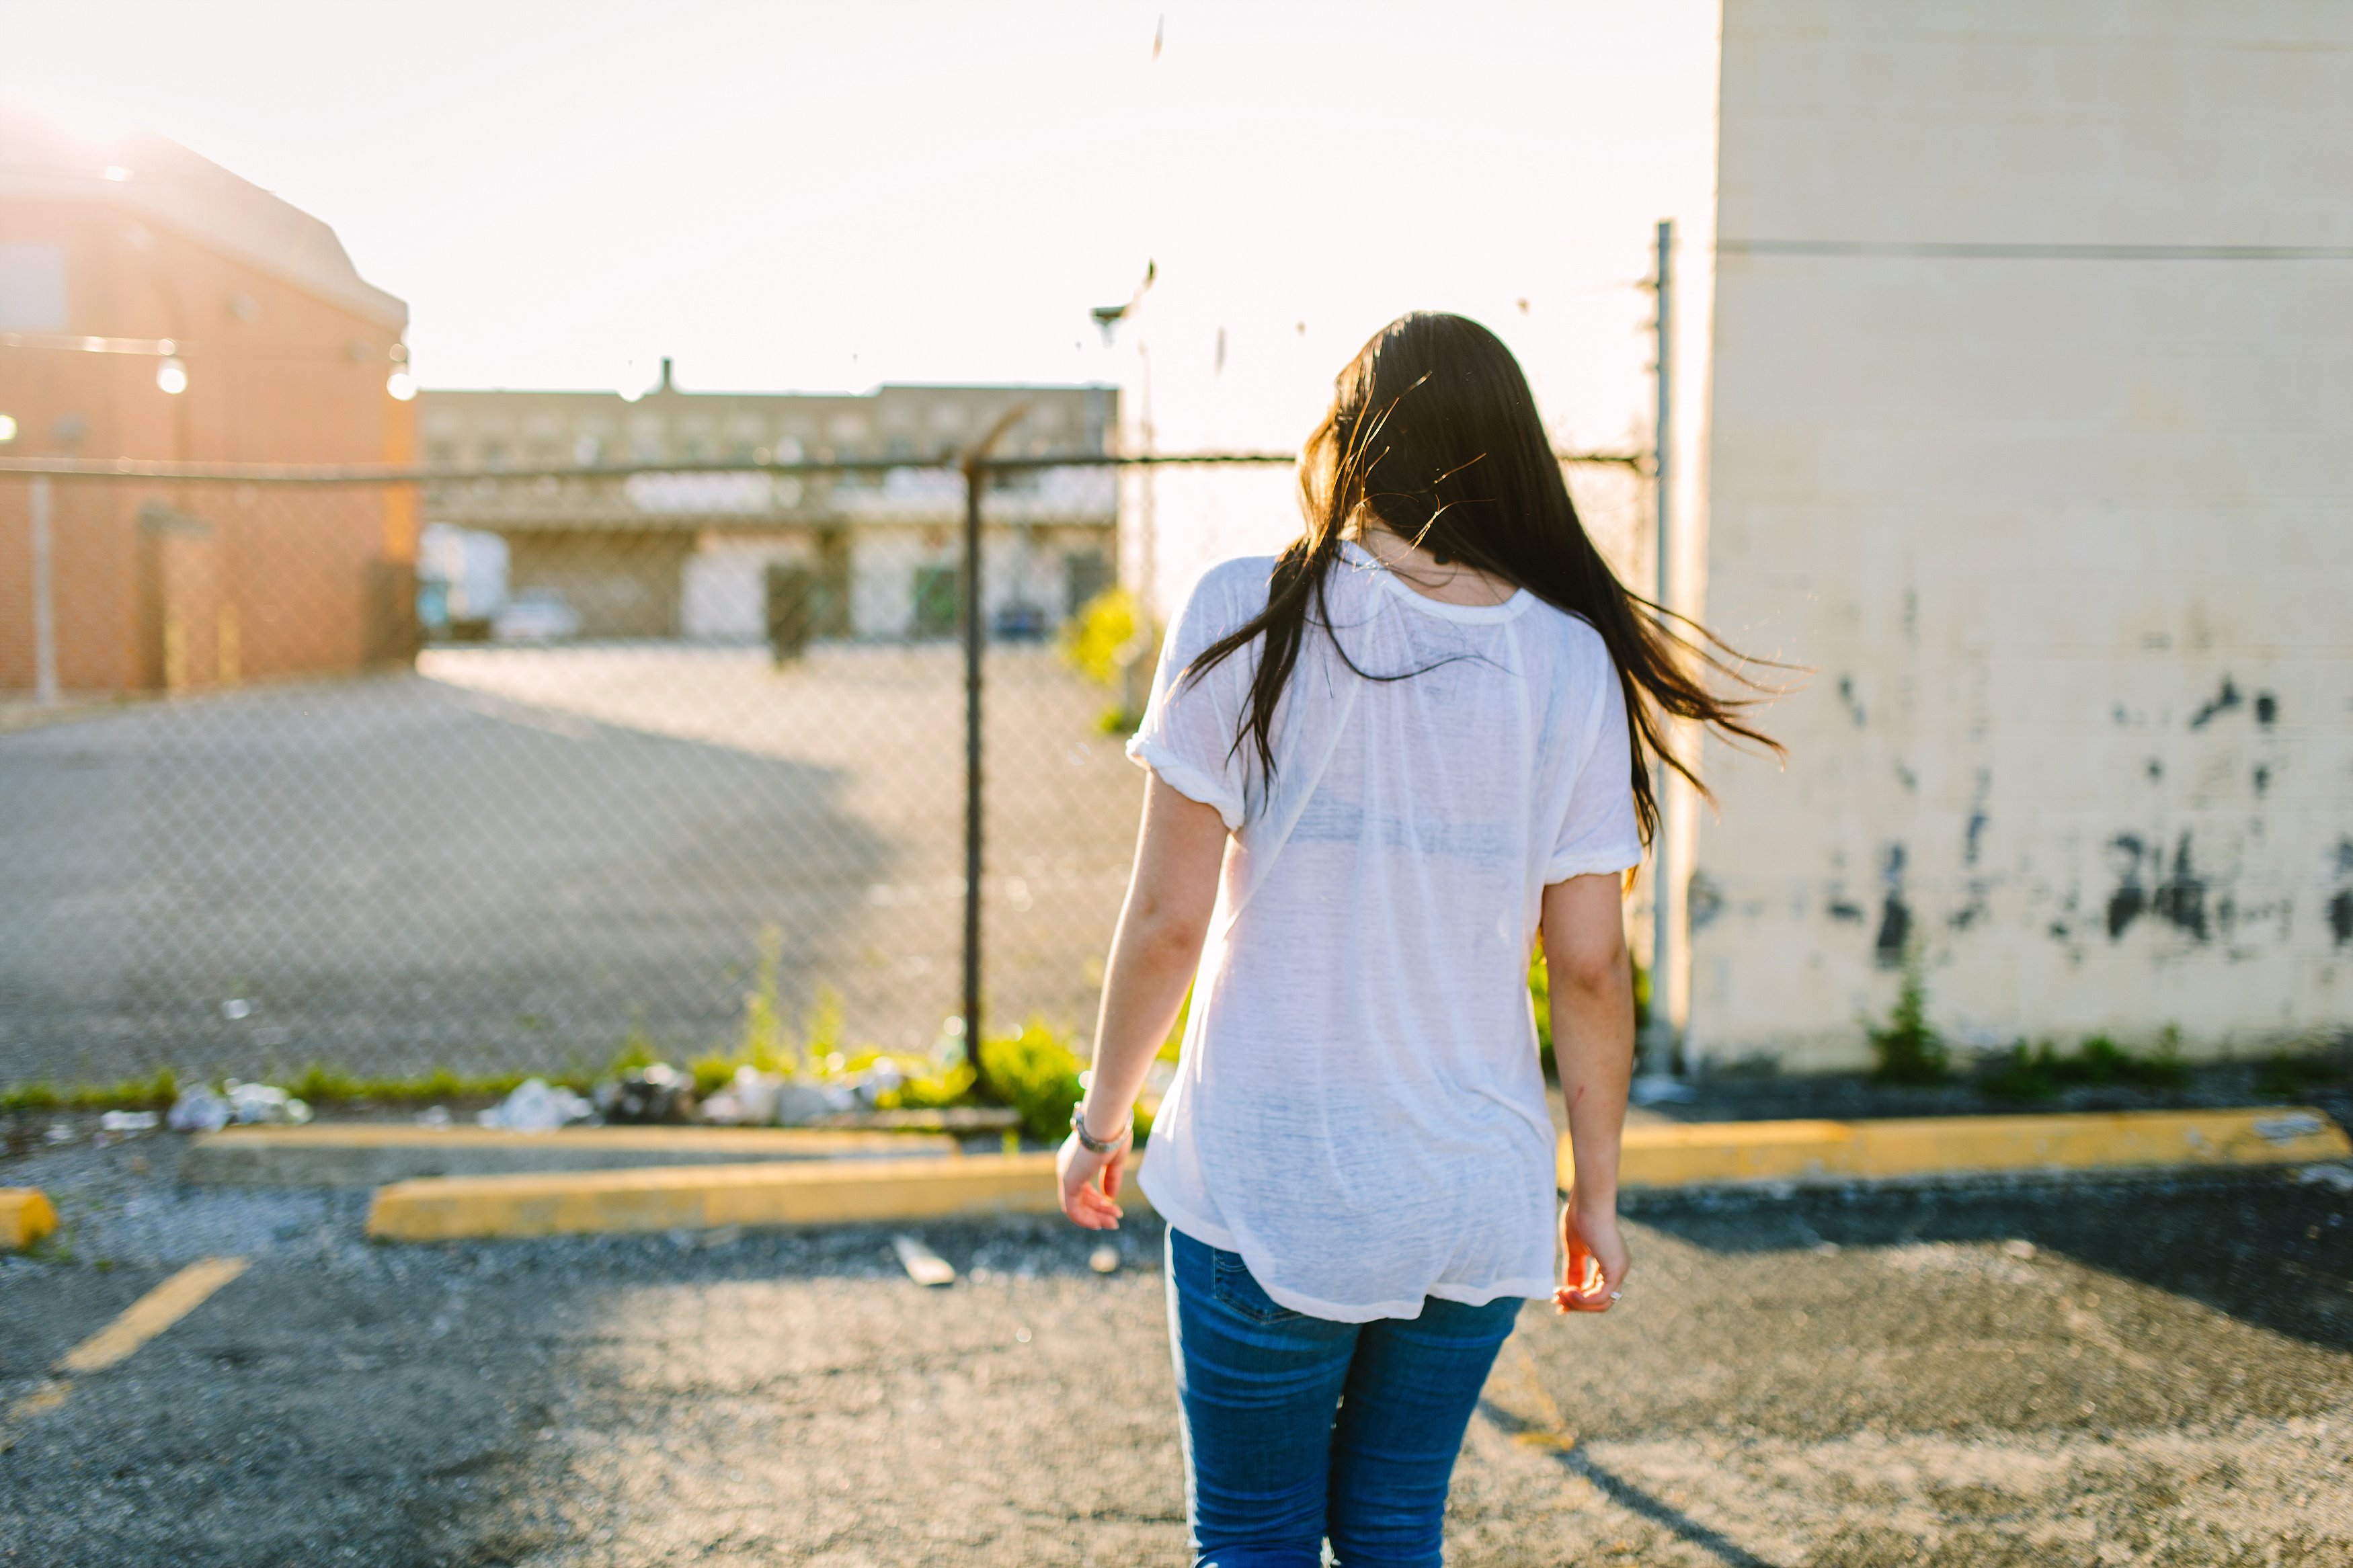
column 1187, row 779
column 1600, row 832
column 1191, row 726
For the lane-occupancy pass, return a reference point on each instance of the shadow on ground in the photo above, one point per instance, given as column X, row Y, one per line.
column 2261, row 1247
column 395, row 874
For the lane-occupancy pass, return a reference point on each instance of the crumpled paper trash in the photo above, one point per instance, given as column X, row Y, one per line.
column 658, row 1093
column 252, row 1103
column 799, row 1102
column 877, row 1081
column 536, row 1106
column 748, row 1100
column 198, row 1109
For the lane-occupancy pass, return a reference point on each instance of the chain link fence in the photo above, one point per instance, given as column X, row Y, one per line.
column 500, row 770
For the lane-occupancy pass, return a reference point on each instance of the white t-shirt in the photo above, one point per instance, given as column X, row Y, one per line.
column 1358, row 1110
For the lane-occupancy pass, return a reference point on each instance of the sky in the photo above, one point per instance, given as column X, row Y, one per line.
column 791, row 196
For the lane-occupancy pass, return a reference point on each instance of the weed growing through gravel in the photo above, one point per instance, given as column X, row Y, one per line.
column 2040, row 1072
column 2288, row 1077
column 130, row 1094
column 1039, row 1077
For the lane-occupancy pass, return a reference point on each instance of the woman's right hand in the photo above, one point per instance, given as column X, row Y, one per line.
column 1595, row 1260
column 1090, row 1182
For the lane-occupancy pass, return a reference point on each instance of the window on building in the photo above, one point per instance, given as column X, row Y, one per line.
column 32, row 288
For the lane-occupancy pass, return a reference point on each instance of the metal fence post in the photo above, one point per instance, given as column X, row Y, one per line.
column 975, row 482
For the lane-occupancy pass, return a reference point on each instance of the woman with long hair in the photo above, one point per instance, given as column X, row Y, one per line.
column 1382, row 764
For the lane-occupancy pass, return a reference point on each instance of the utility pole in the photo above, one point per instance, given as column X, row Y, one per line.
column 45, row 610
column 1657, row 1081
column 1135, row 676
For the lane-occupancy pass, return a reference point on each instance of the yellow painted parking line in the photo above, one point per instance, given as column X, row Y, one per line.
column 671, row 1197
column 49, row 1396
column 141, row 1320
column 816, row 1141
column 26, row 1216
column 369, row 1154
column 152, row 1313
column 1709, row 1152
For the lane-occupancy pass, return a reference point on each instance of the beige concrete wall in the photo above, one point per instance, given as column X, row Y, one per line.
column 2031, row 434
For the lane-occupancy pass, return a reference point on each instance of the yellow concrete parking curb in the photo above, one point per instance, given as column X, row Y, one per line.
column 26, row 1216
column 702, row 1196
column 896, row 1190
column 368, row 1154
column 1708, row 1152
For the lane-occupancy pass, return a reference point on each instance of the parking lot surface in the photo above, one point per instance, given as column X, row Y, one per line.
column 519, row 858
column 2156, row 1371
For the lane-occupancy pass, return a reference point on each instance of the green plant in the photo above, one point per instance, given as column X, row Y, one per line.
column 2283, row 1076
column 2021, row 1072
column 155, row 1093
column 711, row 1074
column 1540, row 999
column 1099, row 640
column 2040, row 1072
column 319, row 1083
column 763, row 1045
column 821, row 1027
column 40, row 1096
column 638, row 1050
column 933, row 1091
column 1908, row 1050
column 1173, row 1048
column 1036, row 1072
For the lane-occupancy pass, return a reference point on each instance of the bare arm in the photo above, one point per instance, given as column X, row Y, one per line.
column 1592, row 988
column 1170, row 895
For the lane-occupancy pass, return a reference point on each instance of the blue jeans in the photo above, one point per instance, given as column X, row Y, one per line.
column 1297, row 1428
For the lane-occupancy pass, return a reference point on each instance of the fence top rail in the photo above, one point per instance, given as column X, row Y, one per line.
column 159, row 472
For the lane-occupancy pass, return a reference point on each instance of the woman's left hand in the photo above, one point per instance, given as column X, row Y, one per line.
column 1090, row 1182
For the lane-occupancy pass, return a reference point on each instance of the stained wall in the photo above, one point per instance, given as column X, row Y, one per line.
column 2031, row 437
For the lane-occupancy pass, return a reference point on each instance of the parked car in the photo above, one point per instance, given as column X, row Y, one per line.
column 1018, row 623
column 535, row 615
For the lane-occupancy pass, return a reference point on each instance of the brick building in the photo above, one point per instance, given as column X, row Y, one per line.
column 154, row 305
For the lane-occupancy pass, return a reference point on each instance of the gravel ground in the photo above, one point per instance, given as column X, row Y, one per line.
column 2155, row 1371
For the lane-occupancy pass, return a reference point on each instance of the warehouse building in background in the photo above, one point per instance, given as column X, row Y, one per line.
column 717, row 557
column 154, row 305
column 2031, row 437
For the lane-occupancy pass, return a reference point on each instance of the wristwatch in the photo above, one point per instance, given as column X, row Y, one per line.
column 1087, row 1141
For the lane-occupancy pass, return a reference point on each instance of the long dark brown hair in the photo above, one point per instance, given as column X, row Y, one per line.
column 1433, row 433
